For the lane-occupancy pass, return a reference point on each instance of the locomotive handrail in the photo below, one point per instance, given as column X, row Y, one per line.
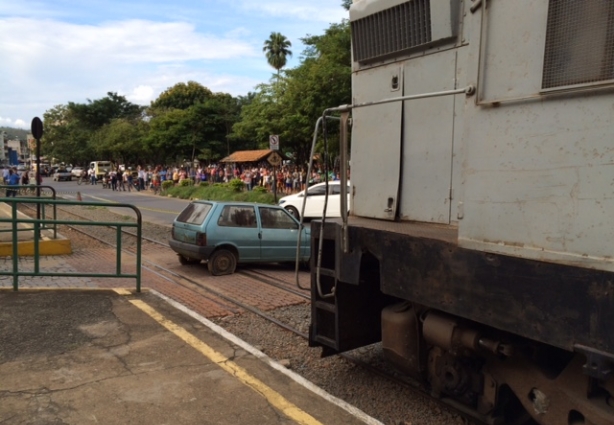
column 345, row 109
column 301, row 215
column 469, row 90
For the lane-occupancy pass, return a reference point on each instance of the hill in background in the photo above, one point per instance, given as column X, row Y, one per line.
column 15, row 133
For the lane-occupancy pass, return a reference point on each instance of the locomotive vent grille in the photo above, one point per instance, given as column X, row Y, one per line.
column 579, row 43
column 392, row 30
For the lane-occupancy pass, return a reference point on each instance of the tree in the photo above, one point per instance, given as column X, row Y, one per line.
column 97, row 113
column 182, row 96
column 121, row 141
column 277, row 49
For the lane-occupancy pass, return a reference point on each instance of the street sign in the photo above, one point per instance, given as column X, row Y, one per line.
column 37, row 128
column 274, row 142
column 274, row 159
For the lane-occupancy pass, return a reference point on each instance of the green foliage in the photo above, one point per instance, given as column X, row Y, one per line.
column 182, row 96
column 167, row 184
column 186, row 182
column 259, row 189
column 236, row 184
column 220, row 192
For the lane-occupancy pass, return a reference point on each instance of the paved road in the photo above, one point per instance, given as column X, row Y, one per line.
column 155, row 209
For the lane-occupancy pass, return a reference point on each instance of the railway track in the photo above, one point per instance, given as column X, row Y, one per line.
column 258, row 277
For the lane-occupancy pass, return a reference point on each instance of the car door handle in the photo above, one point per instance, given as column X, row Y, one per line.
column 259, row 235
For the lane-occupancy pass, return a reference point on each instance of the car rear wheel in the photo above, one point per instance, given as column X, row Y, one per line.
column 222, row 262
column 293, row 211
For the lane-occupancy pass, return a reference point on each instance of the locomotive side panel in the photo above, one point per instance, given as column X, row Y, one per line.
column 537, row 163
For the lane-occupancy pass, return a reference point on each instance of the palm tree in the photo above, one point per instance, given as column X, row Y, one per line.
column 277, row 49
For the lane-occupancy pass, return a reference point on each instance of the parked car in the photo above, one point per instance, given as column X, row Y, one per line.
column 77, row 172
column 229, row 233
column 315, row 201
column 62, row 174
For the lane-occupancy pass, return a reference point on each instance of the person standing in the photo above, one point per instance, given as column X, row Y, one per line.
column 141, row 176
column 113, row 176
column 13, row 180
column 128, row 178
column 92, row 173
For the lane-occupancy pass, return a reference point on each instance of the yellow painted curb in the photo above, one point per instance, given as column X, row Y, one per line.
column 45, row 247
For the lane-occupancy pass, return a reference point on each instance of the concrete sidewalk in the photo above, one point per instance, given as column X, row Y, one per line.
column 101, row 356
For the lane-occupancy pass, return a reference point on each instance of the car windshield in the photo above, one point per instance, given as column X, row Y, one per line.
column 194, row 213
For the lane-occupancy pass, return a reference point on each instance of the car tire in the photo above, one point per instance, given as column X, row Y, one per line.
column 184, row 261
column 293, row 211
column 222, row 262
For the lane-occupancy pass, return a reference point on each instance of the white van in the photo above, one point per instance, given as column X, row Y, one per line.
column 101, row 168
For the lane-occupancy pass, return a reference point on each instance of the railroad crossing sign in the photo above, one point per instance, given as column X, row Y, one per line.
column 274, row 159
column 274, row 142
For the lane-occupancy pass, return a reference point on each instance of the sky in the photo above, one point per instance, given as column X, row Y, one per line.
column 57, row 51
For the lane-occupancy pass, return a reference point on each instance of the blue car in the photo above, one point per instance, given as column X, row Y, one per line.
column 229, row 233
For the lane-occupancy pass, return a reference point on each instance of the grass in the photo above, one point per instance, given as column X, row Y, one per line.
column 219, row 192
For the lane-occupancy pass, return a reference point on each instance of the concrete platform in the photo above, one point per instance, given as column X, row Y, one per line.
column 114, row 357
column 47, row 245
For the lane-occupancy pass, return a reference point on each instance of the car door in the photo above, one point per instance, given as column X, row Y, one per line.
column 279, row 234
column 333, row 208
column 315, row 201
column 237, row 225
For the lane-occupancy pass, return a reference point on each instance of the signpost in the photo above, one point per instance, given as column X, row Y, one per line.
column 275, row 160
column 274, row 142
column 37, row 132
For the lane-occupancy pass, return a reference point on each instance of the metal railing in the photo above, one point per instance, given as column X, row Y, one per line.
column 37, row 225
column 33, row 191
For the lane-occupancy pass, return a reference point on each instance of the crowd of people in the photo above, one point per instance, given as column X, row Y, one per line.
column 11, row 176
column 286, row 179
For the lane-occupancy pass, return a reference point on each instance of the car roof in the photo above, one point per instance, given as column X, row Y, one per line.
column 240, row 203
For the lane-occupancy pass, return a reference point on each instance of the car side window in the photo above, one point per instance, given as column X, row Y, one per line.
column 315, row 191
column 336, row 189
column 237, row 216
column 276, row 218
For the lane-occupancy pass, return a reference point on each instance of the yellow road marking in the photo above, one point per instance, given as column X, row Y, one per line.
column 273, row 397
column 122, row 291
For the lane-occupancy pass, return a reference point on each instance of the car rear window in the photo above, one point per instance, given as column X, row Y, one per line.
column 194, row 213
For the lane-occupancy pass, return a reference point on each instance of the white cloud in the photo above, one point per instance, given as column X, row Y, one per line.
column 141, row 95
column 316, row 10
column 133, row 41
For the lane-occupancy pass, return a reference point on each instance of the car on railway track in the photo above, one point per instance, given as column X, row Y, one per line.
column 229, row 233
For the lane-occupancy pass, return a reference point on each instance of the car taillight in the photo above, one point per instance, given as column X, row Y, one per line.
column 201, row 239
column 173, row 232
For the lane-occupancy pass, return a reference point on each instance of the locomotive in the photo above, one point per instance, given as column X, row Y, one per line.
column 478, row 244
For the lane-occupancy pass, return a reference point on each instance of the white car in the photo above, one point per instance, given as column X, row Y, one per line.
column 77, row 171
column 62, row 174
column 315, row 201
